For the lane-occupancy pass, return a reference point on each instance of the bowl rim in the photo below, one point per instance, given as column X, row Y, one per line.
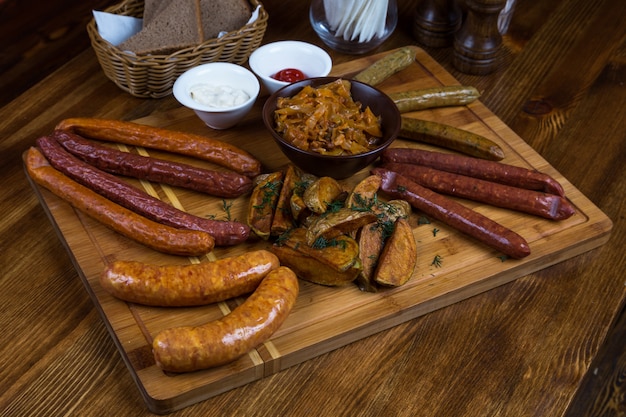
column 182, row 95
column 320, row 81
column 255, row 56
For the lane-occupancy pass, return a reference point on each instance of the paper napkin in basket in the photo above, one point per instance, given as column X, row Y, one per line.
column 116, row 28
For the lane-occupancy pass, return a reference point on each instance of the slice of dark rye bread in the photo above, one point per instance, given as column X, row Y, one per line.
column 176, row 25
column 170, row 25
column 223, row 16
column 151, row 9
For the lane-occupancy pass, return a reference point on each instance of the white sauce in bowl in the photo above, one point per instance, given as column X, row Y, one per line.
column 218, row 96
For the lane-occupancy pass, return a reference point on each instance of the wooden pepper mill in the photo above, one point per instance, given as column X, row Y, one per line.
column 477, row 43
column 436, row 21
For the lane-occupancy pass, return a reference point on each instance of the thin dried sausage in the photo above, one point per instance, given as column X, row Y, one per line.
column 454, row 214
column 428, row 98
column 225, row 184
column 126, row 222
column 130, row 133
column 450, row 137
column 387, row 66
column 548, row 206
column 477, row 168
column 224, row 232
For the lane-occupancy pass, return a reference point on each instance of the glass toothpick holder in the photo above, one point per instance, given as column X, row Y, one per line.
column 353, row 26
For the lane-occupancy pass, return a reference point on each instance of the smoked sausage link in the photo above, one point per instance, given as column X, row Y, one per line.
column 185, row 349
column 454, row 214
column 477, row 168
column 386, row 66
column 224, row 232
column 450, row 137
column 187, row 285
column 126, row 222
column 225, row 184
column 432, row 97
column 129, row 133
column 549, row 206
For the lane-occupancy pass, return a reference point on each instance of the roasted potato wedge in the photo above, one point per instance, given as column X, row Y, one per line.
column 339, row 222
column 321, row 193
column 399, row 256
column 299, row 210
column 262, row 205
column 371, row 240
column 283, row 218
column 364, row 196
column 364, row 192
column 392, row 210
column 399, row 208
column 335, row 264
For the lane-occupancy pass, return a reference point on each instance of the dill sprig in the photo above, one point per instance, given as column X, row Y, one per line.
column 322, row 243
column 270, row 191
column 227, row 206
column 437, row 261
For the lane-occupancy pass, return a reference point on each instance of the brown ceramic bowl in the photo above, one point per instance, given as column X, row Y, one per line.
column 343, row 166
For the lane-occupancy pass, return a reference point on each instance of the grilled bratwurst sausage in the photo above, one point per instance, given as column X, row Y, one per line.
column 187, row 285
column 224, row 232
column 126, row 222
column 129, row 133
column 185, row 349
column 454, row 214
column 225, row 184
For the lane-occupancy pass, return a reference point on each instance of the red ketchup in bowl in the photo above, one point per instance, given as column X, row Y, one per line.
column 289, row 75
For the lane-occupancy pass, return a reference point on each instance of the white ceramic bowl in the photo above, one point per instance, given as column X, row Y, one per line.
column 216, row 75
column 267, row 60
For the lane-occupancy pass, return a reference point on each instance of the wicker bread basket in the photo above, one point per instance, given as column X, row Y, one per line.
column 152, row 76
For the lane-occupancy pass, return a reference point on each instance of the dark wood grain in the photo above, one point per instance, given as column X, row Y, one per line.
column 548, row 344
column 38, row 37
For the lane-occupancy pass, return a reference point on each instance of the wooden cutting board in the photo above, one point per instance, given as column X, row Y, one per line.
column 323, row 318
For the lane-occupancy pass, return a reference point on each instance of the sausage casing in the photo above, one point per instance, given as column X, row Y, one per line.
column 454, row 214
column 428, row 98
column 477, row 168
column 225, row 184
column 224, row 232
column 263, row 201
column 130, row 133
column 450, row 137
column 126, row 222
column 385, row 67
column 540, row 204
column 187, row 285
column 185, row 349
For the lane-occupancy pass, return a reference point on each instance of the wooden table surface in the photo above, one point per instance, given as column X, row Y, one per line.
column 522, row 349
